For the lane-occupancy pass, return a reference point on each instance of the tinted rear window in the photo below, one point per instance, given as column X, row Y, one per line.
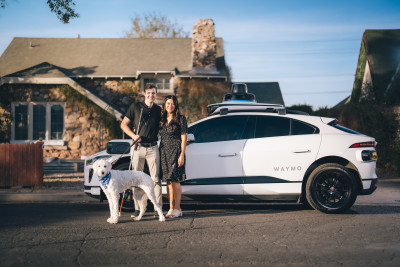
column 343, row 129
column 268, row 126
column 299, row 128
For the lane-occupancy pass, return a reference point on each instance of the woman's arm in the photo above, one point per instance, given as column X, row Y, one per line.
column 181, row 158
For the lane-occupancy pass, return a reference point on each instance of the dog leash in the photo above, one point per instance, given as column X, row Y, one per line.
column 123, row 195
column 122, row 201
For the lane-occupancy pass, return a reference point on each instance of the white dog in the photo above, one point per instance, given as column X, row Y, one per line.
column 114, row 182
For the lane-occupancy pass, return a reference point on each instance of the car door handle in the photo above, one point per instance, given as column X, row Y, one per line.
column 302, row 151
column 227, row 155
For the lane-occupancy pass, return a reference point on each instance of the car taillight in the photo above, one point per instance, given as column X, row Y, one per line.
column 363, row 144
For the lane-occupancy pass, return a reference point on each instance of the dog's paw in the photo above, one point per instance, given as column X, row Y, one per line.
column 162, row 219
column 136, row 219
column 113, row 220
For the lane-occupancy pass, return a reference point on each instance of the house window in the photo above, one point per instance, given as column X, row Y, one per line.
column 39, row 122
column 21, row 122
column 160, row 83
column 57, row 121
column 36, row 120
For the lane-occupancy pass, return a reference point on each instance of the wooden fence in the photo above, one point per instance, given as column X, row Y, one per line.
column 21, row 164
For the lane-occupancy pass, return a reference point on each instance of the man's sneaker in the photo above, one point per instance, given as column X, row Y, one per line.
column 136, row 214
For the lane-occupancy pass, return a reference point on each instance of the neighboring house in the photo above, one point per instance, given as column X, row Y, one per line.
column 71, row 92
column 378, row 69
column 266, row 92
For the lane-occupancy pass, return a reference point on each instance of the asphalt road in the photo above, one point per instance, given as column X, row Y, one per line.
column 77, row 234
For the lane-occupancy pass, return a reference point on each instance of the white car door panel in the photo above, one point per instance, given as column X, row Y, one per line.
column 214, row 160
column 283, row 159
column 214, row 168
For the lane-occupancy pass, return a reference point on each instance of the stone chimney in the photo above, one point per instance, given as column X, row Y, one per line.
column 204, row 47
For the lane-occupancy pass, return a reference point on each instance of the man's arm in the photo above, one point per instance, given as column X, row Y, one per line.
column 125, row 127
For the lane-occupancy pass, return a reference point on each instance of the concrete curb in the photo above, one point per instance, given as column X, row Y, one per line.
column 43, row 196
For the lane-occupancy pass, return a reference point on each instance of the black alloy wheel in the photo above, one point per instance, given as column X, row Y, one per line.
column 331, row 188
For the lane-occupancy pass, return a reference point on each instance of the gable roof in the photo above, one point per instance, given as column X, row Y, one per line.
column 266, row 92
column 381, row 48
column 101, row 57
column 383, row 53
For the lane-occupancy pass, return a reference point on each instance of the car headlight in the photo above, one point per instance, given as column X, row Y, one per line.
column 91, row 161
column 369, row 155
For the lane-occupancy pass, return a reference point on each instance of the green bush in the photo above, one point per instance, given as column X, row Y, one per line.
column 380, row 122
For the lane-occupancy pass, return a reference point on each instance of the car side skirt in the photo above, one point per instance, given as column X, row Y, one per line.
column 236, row 180
column 242, row 198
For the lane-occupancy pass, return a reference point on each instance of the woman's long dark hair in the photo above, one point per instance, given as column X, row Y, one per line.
column 176, row 114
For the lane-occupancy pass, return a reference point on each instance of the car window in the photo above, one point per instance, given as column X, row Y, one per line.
column 118, row 147
column 192, row 129
column 250, row 128
column 269, row 126
column 344, row 129
column 224, row 128
column 299, row 127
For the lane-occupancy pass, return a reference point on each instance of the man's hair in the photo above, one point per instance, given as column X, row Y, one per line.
column 150, row 86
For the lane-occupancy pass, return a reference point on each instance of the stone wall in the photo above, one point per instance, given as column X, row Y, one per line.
column 116, row 92
column 85, row 132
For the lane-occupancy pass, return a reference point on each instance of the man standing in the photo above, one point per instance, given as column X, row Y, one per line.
column 146, row 118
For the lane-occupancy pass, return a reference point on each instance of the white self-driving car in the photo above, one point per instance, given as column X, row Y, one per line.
column 246, row 151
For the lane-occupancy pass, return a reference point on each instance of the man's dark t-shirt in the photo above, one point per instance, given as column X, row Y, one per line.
column 150, row 121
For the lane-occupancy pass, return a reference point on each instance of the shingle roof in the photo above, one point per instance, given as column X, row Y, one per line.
column 383, row 54
column 266, row 92
column 100, row 57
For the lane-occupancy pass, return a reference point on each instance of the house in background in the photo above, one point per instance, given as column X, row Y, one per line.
column 266, row 92
column 71, row 92
column 378, row 69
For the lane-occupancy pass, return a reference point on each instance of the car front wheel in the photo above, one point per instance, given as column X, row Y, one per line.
column 331, row 188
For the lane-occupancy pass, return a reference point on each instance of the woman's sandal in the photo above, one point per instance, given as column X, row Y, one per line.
column 169, row 213
column 176, row 214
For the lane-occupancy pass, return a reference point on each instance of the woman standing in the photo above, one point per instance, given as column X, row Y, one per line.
column 173, row 131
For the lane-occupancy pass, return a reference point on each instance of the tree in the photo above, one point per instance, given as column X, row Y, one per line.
column 152, row 25
column 62, row 8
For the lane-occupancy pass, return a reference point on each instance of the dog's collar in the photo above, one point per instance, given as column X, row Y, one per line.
column 105, row 180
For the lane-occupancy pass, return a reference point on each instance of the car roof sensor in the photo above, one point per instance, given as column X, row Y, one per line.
column 239, row 93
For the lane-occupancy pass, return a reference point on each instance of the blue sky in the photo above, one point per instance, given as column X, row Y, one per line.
column 309, row 47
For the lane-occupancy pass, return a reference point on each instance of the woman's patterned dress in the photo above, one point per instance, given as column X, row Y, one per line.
column 170, row 150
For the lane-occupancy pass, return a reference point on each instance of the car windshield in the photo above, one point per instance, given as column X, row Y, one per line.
column 117, row 147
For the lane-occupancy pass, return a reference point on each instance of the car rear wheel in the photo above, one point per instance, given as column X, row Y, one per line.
column 331, row 188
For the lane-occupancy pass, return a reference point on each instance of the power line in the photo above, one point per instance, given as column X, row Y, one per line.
column 319, row 93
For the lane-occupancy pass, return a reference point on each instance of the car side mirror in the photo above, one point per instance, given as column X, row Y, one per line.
column 190, row 138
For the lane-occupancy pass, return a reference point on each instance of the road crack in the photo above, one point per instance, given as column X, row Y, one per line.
column 85, row 238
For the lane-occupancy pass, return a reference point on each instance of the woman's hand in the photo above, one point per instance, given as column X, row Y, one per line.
column 181, row 160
